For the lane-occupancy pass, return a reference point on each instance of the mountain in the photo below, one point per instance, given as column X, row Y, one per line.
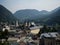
column 44, row 12
column 39, row 16
column 54, row 16
column 6, row 15
column 29, row 15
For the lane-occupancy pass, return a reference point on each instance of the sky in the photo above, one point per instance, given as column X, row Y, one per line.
column 15, row 5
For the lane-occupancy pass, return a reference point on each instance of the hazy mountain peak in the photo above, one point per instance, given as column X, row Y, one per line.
column 27, row 10
column 5, row 15
column 39, row 16
column 1, row 5
column 55, row 10
column 58, row 8
column 44, row 12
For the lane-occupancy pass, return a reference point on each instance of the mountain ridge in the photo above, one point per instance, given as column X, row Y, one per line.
column 6, row 15
column 37, row 16
column 46, row 17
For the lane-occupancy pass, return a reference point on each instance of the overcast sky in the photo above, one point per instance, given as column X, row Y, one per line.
column 14, row 5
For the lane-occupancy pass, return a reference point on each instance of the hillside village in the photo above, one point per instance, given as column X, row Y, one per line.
column 29, row 33
column 29, row 22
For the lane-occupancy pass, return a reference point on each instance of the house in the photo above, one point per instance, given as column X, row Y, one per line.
column 50, row 38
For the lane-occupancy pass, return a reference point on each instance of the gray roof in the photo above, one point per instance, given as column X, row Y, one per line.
column 36, row 27
column 50, row 34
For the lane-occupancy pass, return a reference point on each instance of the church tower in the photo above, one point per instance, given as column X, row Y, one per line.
column 17, row 24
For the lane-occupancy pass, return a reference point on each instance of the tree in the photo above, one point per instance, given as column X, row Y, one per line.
column 54, row 29
column 49, row 29
column 5, row 34
column 42, row 30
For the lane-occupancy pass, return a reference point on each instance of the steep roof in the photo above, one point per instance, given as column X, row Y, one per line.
column 50, row 35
